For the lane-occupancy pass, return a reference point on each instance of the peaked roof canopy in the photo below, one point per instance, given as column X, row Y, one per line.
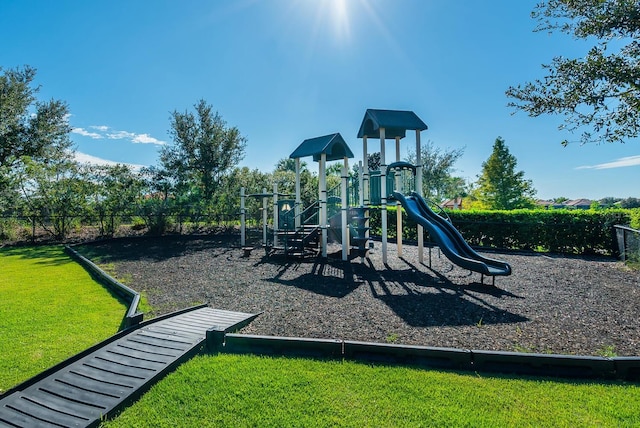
column 333, row 145
column 394, row 122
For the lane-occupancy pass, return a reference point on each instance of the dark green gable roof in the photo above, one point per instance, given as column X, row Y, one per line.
column 394, row 122
column 333, row 145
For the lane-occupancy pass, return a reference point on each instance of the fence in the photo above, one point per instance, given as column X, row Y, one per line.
column 628, row 243
column 73, row 228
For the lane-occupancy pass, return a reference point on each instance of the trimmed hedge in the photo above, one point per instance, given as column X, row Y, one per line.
column 635, row 218
column 559, row 230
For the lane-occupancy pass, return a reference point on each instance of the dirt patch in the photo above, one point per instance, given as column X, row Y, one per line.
column 551, row 303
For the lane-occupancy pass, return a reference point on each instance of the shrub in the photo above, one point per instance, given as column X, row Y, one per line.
column 566, row 231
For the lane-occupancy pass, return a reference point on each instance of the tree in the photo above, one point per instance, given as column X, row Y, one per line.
column 602, row 90
column 115, row 191
column 29, row 127
column 630, row 203
column 204, row 150
column 228, row 198
column 285, row 177
column 609, row 201
column 499, row 186
column 438, row 182
column 56, row 192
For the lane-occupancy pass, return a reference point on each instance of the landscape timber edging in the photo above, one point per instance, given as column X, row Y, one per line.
column 519, row 363
column 132, row 316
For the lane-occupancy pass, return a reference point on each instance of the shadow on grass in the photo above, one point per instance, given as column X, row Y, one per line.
column 48, row 255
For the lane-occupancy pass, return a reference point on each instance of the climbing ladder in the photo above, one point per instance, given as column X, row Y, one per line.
column 97, row 383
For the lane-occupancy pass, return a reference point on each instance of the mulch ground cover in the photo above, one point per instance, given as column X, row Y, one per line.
column 550, row 304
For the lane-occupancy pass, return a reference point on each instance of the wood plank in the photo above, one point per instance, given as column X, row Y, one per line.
column 130, row 361
column 174, row 329
column 172, row 339
column 14, row 418
column 179, row 326
column 152, row 350
column 77, row 395
column 105, row 377
column 110, row 367
column 145, row 356
column 91, row 384
column 61, row 404
column 158, row 342
column 42, row 413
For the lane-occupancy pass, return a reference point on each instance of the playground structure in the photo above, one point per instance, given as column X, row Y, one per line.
column 310, row 225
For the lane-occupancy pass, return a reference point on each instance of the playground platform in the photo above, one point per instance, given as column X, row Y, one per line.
column 96, row 384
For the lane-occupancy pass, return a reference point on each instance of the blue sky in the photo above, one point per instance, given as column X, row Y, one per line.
column 286, row 70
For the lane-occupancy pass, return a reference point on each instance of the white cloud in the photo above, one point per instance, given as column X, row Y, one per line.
column 85, row 133
column 618, row 163
column 94, row 160
column 120, row 135
column 146, row 139
column 111, row 134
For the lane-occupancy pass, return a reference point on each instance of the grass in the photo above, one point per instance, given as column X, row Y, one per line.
column 110, row 269
column 50, row 309
column 243, row 391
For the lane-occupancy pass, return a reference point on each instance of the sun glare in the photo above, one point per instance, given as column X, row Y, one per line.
column 339, row 18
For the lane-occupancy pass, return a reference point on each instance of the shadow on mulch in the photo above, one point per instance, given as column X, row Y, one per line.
column 448, row 304
column 329, row 277
column 154, row 249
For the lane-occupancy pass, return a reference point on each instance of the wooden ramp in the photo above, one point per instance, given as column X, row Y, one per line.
column 99, row 382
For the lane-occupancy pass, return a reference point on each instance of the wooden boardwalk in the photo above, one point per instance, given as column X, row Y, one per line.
column 98, row 383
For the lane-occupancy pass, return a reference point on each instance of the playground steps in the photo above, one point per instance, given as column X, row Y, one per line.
column 99, row 382
column 296, row 242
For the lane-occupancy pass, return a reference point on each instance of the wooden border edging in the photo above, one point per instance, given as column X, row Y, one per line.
column 572, row 366
column 551, row 365
column 424, row 356
column 287, row 346
column 132, row 316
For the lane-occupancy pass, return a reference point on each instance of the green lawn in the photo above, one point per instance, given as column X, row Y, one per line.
column 50, row 309
column 239, row 391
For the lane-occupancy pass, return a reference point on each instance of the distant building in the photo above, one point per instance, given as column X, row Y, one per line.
column 582, row 204
column 546, row 203
column 453, row 204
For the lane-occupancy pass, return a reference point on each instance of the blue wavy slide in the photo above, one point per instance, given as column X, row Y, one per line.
column 447, row 237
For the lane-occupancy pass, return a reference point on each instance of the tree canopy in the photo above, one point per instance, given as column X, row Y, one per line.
column 500, row 187
column 599, row 93
column 29, row 127
column 203, row 149
column 438, row 183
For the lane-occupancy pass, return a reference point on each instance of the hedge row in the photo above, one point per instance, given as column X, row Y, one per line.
column 564, row 231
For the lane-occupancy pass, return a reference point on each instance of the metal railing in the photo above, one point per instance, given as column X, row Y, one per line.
column 628, row 243
column 72, row 228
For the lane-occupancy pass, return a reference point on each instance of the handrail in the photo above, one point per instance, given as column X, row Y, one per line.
column 302, row 214
column 401, row 165
column 444, row 215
